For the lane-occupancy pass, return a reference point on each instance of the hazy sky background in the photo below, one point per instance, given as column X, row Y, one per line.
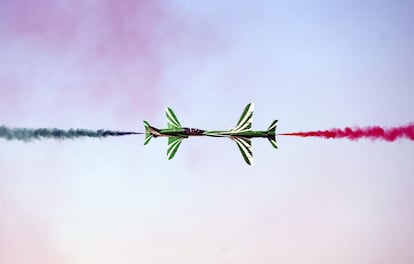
column 111, row 64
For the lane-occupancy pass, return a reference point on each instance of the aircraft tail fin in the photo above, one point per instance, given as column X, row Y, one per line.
column 271, row 134
column 148, row 134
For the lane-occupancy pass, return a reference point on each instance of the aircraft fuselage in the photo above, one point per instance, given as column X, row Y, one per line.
column 241, row 133
column 188, row 132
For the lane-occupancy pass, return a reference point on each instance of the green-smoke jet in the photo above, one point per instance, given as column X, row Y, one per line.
column 30, row 134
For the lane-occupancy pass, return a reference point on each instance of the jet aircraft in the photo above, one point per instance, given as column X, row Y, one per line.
column 241, row 134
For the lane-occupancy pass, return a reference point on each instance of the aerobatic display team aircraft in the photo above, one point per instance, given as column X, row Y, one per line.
column 241, row 134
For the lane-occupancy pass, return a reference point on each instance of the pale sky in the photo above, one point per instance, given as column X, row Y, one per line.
column 106, row 64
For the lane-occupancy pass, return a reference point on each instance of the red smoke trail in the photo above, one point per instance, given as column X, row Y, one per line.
column 373, row 133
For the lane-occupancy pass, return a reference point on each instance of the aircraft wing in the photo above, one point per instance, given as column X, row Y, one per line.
column 172, row 118
column 245, row 147
column 245, row 121
column 173, row 145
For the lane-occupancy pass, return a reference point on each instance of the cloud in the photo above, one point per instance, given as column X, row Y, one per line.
column 99, row 53
column 104, row 29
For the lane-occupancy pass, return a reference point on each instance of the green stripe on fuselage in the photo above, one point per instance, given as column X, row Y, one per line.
column 173, row 132
column 180, row 132
column 246, row 134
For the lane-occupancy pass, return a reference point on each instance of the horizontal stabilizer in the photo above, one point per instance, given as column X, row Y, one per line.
column 271, row 132
column 273, row 142
column 272, row 126
column 148, row 135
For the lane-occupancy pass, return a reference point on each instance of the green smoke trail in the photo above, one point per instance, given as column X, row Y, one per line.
column 30, row 134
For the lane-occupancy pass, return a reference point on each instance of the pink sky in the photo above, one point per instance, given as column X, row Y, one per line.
column 113, row 57
column 107, row 50
column 110, row 64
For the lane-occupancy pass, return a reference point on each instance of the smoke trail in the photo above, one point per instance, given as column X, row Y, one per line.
column 373, row 133
column 29, row 134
